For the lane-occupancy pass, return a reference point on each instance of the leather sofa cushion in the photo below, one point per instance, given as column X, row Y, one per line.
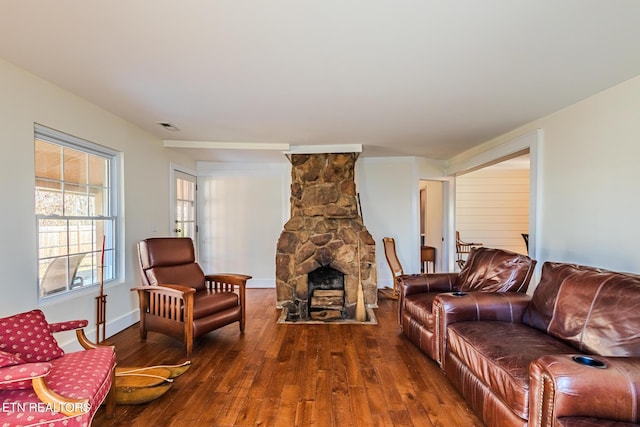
column 495, row 270
column 419, row 306
column 186, row 275
column 594, row 310
column 209, row 302
column 498, row 354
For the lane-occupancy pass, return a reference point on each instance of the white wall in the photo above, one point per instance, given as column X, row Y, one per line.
column 242, row 209
column 389, row 197
column 27, row 99
column 588, row 169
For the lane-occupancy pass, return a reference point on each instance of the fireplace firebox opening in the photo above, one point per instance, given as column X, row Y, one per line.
column 326, row 294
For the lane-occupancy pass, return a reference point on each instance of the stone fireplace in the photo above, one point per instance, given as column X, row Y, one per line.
column 324, row 252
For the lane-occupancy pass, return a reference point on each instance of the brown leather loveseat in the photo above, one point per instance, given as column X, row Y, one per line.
column 567, row 356
column 486, row 270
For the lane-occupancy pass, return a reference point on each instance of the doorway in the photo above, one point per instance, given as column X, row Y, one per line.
column 184, row 205
column 431, row 225
column 492, row 204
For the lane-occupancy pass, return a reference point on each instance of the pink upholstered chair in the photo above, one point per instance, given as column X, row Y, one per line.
column 40, row 384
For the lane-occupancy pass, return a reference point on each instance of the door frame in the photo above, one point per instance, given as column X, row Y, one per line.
column 531, row 141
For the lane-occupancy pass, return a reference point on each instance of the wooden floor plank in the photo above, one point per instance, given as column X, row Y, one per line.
column 326, row 375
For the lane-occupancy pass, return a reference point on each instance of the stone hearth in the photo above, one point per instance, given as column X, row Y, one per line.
column 325, row 230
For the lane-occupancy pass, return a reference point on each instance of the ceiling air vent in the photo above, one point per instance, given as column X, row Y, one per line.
column 168, row 126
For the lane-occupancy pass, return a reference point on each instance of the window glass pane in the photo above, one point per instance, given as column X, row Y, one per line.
column 48, row 197
column 81, row 236
column 75, row 166
column 53, row 276
column 179, row 189
column 76, row 200
column 179, row 211
column 52, row 237
column 97, row 171
column 191, row 191
column 84, row 275
column 98, row 201
column 48, row 160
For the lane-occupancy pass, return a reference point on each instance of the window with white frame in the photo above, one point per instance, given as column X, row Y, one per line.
column 75, row 194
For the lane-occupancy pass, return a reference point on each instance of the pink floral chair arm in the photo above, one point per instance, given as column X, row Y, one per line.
column 70, row 325
column 78, row 326
column 20, row 376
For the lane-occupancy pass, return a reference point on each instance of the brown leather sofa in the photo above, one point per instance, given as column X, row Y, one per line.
column 567, row 356
column 178, row 299
column 486, row 270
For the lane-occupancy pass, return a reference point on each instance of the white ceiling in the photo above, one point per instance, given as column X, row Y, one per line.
column 401, row 77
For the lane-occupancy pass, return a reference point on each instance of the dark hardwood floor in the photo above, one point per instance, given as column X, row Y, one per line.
column 293, row 375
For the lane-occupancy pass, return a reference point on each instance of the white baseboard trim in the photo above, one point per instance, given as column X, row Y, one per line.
column 261, row 283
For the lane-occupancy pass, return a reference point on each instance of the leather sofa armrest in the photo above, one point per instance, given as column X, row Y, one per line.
column 561, row 387
column 455, row 307
column 411, row 284
column 464, row 306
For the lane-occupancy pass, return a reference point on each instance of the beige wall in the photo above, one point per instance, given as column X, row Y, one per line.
column 145, row 201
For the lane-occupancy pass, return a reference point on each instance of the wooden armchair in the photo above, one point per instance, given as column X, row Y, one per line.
column 178, row 299
column 463, row 249
column 390, row 254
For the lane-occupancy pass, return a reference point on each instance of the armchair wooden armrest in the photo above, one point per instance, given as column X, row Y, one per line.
column 562, row 387
column 170, row 306
column 226, row 281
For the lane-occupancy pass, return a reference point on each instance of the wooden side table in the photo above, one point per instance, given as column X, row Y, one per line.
column 428, row 256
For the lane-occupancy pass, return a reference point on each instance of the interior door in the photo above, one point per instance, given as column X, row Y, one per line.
column 184, row 213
